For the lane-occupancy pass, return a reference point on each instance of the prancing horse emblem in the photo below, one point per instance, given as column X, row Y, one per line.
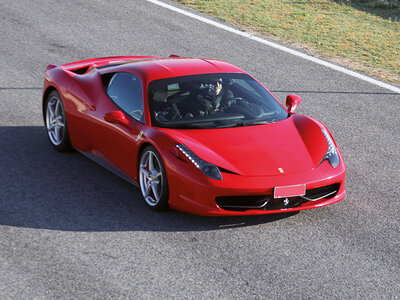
column 286, row 201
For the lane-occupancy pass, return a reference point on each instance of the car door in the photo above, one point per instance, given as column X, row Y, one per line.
column 121, row 121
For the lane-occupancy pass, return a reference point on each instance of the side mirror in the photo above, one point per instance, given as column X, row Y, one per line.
column 117, row 117
column 292, row 101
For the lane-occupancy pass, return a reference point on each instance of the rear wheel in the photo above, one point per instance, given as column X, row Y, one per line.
column 56, row 123
column 153, row 179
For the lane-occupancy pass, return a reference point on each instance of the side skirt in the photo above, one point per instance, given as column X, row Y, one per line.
column 110, row 167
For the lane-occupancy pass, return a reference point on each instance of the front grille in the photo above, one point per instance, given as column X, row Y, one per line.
column 268, row 202
column 242, row 202
column 328, row 191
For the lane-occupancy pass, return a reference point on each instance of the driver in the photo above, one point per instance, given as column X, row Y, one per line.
column 215, row 98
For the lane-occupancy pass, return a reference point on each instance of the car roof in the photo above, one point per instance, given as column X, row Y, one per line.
column 158, row 68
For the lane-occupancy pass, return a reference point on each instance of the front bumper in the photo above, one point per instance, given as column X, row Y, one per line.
column 191, row 191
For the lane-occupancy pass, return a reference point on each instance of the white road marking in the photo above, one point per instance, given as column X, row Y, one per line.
column 279, row 47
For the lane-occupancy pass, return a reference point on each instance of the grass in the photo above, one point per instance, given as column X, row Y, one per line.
column 351, row 37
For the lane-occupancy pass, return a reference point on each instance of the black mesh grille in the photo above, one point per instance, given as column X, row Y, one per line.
column 268, row 202
column 321, row 191
column 241, row 201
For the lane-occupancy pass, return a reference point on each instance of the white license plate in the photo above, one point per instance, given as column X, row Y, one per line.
column 289, row 191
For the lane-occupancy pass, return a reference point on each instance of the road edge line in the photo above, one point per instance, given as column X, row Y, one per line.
column 277, row 46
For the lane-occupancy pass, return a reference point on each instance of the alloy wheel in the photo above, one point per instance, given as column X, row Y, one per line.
column 55, row 121
column 151, row 178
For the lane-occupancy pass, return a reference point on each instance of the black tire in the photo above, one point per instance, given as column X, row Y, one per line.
column 153, row 179
column 56, row 123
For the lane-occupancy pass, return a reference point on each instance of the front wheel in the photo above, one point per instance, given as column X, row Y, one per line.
column 153, row 179
column 56, row 122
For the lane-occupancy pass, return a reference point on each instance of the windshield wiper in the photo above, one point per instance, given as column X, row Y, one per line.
column 259, row 122
column 240, row 124
column 244, row 124
column 182, row 126
column 236, row 124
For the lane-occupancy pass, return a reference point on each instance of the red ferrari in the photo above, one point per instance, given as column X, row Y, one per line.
column 197, row 135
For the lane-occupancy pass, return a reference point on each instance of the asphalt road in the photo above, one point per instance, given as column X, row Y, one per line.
column 70, row 229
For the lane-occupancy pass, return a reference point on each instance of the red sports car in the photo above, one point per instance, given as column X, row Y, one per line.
column 197, row 135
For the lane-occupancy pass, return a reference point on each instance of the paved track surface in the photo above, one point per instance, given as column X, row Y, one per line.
column 70, row 229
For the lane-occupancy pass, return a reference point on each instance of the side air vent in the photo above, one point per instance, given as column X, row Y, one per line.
column 81, row 71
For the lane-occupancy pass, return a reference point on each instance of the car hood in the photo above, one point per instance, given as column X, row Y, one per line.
column 293, row 145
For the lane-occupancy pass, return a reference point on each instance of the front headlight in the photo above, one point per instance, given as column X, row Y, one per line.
column 331, row 155
column 208, row 169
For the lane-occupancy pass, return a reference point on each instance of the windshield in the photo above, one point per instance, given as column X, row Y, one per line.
column 212, row 101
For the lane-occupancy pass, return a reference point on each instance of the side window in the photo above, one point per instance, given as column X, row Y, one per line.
column 126, row 91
